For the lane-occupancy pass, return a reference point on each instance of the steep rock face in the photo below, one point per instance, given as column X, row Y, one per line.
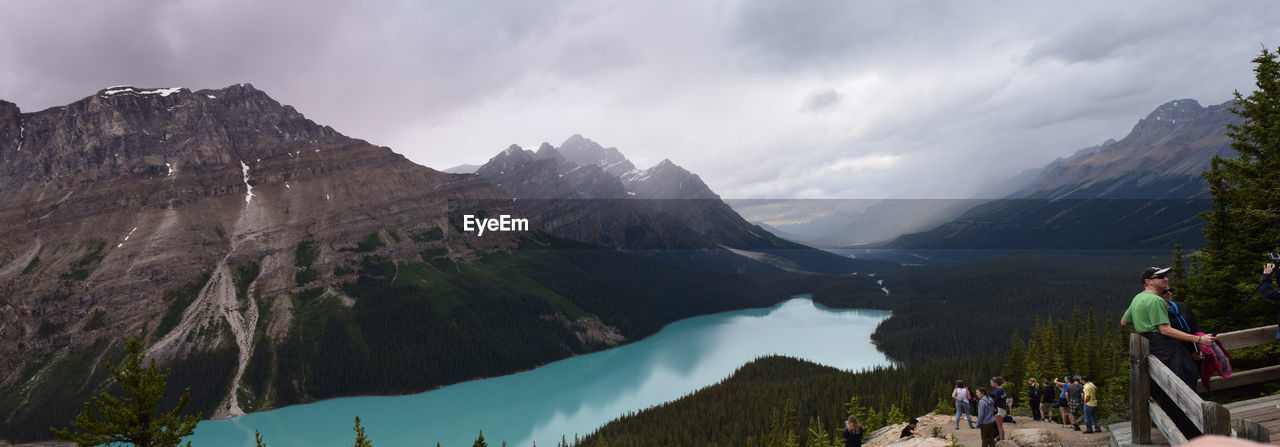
column 117, row 203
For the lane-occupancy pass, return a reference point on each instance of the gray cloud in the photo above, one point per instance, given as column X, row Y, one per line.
column 896, row 98
column 821, row 100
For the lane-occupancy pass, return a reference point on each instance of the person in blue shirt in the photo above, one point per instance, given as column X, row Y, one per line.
column 986, row 418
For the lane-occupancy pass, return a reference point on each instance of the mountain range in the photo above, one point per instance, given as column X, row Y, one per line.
column 269, row 260
column 1142, row 191
column 585, row 192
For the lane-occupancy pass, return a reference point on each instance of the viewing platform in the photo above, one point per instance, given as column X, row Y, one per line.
column 1256, row 419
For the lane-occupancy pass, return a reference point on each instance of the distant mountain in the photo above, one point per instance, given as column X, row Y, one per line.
column 847, row 223
column 462, row 169
column 585, row 192
column 891, row 218
column 1142, row 191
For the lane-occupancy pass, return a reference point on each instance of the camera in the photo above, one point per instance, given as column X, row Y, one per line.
column 1275, row 257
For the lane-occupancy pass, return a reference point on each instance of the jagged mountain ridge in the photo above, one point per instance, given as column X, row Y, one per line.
column 1143, row 191
column 580, row 191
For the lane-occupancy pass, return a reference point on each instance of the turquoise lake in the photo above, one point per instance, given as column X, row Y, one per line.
column 575, row 395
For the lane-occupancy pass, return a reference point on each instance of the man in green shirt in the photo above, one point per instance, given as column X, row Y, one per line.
column 1149, row 315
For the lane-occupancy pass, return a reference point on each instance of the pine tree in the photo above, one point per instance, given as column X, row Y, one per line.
column 134, row 419
column 818, row 436
column 1035, row 352
column 905, row 402
column 853, row 408
column 944, row 406
column 1015, row 369
column 873, row 421
column 1243, row 224
column 480, row 441
column 895, row 416
column 1089, row 360
column 257, row 438
column 361, row 440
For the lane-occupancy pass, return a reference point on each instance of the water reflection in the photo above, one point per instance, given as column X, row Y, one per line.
column 575, row 395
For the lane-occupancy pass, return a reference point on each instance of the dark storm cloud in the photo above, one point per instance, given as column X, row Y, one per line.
column 821, row 98
column 342, row 62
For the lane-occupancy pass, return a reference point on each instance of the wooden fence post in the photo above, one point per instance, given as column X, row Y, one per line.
column 1247, row 429
column 1139, row 390
column 1215, row 418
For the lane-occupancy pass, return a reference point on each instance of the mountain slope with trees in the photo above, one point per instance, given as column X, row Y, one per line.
column 1141, row 192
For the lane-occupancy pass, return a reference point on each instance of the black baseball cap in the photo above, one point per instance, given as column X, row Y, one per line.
column 1155, row 273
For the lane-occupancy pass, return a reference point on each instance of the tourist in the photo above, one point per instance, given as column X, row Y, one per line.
column 1047, row 395
column 986, row 418
column 1090, row 406
column 1075, row 401
column 1269, row 291
column 1149, row 317
column 960, row 396
column 1033, row 398
column 1182, row 318
column 1062, row 401
column 852, row 432
column 910, row 430
column 1002, row 408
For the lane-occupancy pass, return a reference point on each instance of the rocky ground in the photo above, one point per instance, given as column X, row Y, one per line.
column 1025, row 433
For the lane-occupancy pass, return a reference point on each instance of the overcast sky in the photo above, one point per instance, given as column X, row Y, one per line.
column 763, row 99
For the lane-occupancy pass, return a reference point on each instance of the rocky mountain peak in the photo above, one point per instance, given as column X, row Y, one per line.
column 133, row 130
column 582, row 151
column 667, row 180
column 1176, row 109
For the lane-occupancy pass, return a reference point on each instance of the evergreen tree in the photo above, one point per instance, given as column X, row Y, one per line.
column 945, row 406
column 1015, row 367
column 361, row 440
column 1244, row 222
column 895, row 416
column 480, row 441
column 905, row 403
column 134, row 419
column 1035, row 352
column 853, row 408
column 1089, row 360
column 818, row 436
column 257, row 438
column 873, row 421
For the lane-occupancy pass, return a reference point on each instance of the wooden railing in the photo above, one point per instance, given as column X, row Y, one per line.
column 1208, row 416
